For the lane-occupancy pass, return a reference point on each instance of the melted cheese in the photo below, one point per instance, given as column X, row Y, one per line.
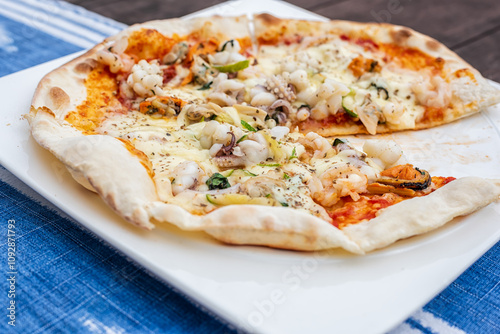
column 330, row 59
column 320, row 68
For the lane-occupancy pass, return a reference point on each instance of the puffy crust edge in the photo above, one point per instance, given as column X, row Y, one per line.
column 282, row 228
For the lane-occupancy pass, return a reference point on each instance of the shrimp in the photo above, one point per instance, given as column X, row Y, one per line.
column 115, row 58
column 337, row 182
column 320, row 145
column 186, row 176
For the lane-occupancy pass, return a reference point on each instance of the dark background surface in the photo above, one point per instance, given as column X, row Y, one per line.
column 470, row 28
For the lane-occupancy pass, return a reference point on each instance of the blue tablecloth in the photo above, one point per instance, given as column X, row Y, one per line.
column 67, row 280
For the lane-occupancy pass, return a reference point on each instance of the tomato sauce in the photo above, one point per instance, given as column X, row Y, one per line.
column 369, row 206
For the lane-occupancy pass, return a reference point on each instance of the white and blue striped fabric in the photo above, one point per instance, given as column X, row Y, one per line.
column 58, row 291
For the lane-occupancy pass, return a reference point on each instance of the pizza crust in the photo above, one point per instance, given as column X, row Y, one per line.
column 104, row 165
column 259, row 225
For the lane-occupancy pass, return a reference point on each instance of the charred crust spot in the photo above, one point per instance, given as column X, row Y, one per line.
column 86, row 66
column 58, row 97
column 269, row 19
column 432, row 45
column 400, row 36
column 439, row 62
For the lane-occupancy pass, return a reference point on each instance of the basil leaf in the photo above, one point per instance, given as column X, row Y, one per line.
column 218, row 181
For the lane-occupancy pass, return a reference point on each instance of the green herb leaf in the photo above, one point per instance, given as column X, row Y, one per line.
column 206, row 86
column 268, row 196
column 248, row 126
column 294, row 154
column 337, row 141
column 233, row 67
column 285, row 204
column 269, row 165
column 218, row 181
column 241, row 139
column 249, row 173
column 286, row 176
column 231, row 41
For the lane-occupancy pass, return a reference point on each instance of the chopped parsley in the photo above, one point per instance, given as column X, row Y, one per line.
column 242, row 139
column 269, row 165
column 337, row 141
column 206, row 86
column 249, row 173
column 248, row 126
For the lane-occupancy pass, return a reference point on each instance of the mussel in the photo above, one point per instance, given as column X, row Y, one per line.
column 403, row 180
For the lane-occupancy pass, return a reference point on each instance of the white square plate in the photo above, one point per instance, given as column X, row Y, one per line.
column 274, row 291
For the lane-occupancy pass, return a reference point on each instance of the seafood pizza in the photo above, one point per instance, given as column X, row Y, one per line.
column 206, row 125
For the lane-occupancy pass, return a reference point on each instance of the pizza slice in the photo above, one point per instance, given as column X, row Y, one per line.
column 347, row 77
column 167, row 123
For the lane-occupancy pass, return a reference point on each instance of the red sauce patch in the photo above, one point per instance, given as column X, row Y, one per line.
column 348, row 212
column 440, row 181
column 295, row 39
column 340, row 117
column 367, row 44
column 150, row 44
column 361, row 65
column 365, row 208
column 412, row 58
column 169, row 73
column 433, row 114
